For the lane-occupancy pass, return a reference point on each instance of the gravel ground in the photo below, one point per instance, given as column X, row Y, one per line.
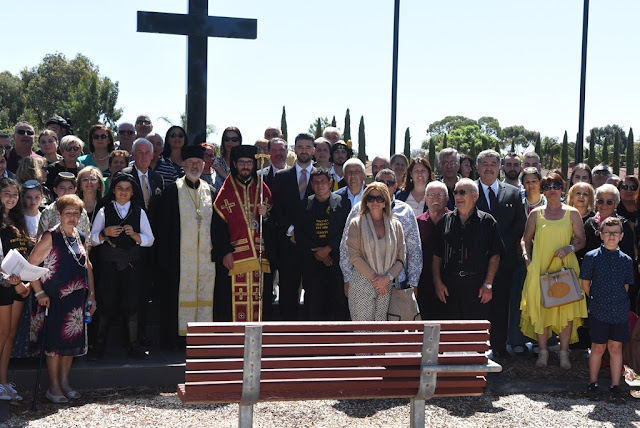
column 161, row 408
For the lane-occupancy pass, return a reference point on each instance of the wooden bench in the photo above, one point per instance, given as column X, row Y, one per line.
column 249, row 362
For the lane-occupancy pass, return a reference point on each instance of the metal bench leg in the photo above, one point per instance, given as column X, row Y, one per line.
column 245, row 416
column 417, row 419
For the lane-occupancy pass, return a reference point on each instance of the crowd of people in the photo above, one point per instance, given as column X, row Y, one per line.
column 221, row 236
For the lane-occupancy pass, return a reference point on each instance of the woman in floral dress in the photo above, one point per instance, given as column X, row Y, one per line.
column 66, row 290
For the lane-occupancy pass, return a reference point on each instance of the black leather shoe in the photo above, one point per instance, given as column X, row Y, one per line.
column 137, row 353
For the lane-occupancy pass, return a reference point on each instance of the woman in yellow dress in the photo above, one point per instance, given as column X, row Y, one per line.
column 557, row 232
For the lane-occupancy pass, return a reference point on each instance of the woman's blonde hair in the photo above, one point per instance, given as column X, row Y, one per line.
column 384, row 190
column 571, row 195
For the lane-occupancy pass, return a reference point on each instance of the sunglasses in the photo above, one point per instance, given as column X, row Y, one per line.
column 389, row 183
column 126, row 132
column 530, row 170
column 628, row 187
column 25, row 131
column 73, row 149
column 461, row 192
column 554, row 186
column 375, row 198
column 234, row 139
column 176, row 134
column 99, row 136
column 608, row 201
column 143, row 122
column 601, row 172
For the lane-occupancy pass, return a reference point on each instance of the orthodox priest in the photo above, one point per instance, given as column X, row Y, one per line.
column 235, row 233
column 184, row 248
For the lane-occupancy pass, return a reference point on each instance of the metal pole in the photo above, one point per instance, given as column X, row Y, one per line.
column 583, row 77
column 197, row 78
column 394, row 77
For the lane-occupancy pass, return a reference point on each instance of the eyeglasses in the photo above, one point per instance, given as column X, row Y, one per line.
column 244, row 163
column 610, row 234
column 126, row 132
column 73, row 149
column 176, row 134
column 25, row 131
column 439, row 194
column 608, row 201
column 554, row 186
column 601, row 172
column 375, row 198
column 234, row 139
column 461, row 192
column 143, row 122
column 261, row 149
column 628, row 187
column 388, row 183
column 71, row 213
column 450, row 163
column 89, row 180
column 99, row 136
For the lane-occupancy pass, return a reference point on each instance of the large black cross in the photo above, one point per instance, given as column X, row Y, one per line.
column 198, row 26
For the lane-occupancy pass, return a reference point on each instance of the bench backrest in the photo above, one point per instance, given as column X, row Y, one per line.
column 322, row 360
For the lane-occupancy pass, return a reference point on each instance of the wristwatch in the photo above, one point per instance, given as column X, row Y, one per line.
column 390, row 277
column 489, row 286
column 573, row 249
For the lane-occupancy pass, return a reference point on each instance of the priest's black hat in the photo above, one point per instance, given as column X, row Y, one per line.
column 243, row 151
column 192, row 152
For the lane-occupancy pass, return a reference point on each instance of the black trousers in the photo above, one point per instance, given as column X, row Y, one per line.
column 499, row 314
column 290, row 268
column 324, row 298
column 463, row 302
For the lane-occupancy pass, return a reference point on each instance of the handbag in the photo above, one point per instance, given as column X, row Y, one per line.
column 560, row 288
column 403, row 305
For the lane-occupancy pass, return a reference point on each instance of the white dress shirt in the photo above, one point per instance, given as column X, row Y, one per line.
column 146, row 235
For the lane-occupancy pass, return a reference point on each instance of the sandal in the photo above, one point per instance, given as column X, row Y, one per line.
column 543, row 357
column 73, row 394
column 56, row 399
column 520, row 350
column 564, row 360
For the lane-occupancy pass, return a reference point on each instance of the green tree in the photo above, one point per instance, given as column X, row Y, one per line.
column 592, row 150
column 283, row 124
column 444, row 141
column 448, row 124
column 551, row 150
column 11, row 100
column 565, row 156
column 317, row 126
column 347, row 126
column 605, row 150
column 362, row 154
column 407, row 144
column 497, row 148
column 610, row 132
column 432, row 152
column 69, row 88
column 616, row 153
column 538, row 148
column 333, row 121
column 490, row 126
column 630, row 157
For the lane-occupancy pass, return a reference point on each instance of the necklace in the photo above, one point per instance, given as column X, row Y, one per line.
column 69, row 242
column 196, row 203
column 93, row 155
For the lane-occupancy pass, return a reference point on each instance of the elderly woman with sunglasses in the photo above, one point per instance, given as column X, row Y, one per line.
column 377, row 251
column 628, row 206
column 100, row 147
column 231, row 137
column 552, row 235
column 169, row 165
column 70, row 148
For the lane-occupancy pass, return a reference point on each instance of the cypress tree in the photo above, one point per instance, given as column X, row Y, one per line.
column 472, row 151
column 513, row 145
column 616, row 154
column 347, row 126
column 283, row 124
column 432, row 152
column 333, row 121
column 407, row 144
column 538, row 146
column 497, row 147
column 485, row 144
column 318, row 132
column 362, row 155
column 444, row 142
column 565, row 156
column 605, row 150
column 630, row 157
column 592, row 149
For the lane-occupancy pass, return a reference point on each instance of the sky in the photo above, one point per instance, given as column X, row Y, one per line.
column 518, row 61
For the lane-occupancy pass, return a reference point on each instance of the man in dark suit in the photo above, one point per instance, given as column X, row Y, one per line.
column 318, row 237
column 142, row 153
column 290, row 191
column 277, row 149
column 354, row 174
column 504, row 203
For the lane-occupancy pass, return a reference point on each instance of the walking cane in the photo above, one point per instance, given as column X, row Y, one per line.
column 261, row 158
column 44, row 332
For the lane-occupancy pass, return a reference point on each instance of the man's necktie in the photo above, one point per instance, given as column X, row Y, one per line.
column 493, row 201
column 302, row 183
column 145, row 191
